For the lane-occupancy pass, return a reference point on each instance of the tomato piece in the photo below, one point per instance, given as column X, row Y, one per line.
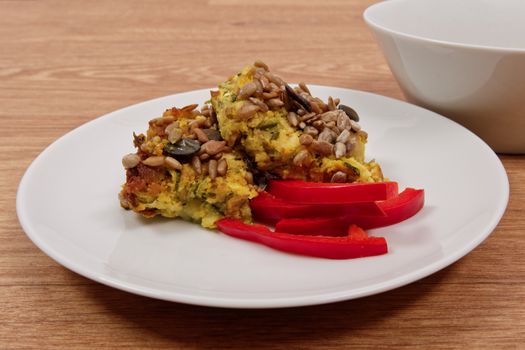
column 331, row 193
column 309, row 245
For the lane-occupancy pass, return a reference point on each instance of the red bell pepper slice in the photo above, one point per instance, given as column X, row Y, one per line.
column 267, row 208
column 317, row 246
column 407, row 204
column 331, row 193
column 397, row 209
column 334, row 226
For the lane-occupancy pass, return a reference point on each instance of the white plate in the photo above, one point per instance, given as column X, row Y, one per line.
column 67, row 204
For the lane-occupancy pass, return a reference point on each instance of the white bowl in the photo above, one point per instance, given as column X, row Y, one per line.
column 463, row 59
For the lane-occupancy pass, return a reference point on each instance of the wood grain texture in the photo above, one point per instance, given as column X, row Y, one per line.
column 63, row 63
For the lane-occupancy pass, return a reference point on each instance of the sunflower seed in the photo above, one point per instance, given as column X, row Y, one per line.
column 292, row 119
column 350, row 144
column 189, row 108
column 331, row 104
column 343, row 122
column 303, row 87
column 315, row 107
column 265, row 83
column 130, row 161
column 322, row 147
column 212, row 134
column 153, row 161
column 274, row 103
column 318, row 124
column 274, row 78
column 355, row 126
column 222, row 167
column 273, row 87
column 269, row 95
column 247, row 90
column 307, row 117
column 213, row 147
column 340, row 150
column 212, row 168
column 329, row 116
column 306, row 139
column 174, row 134
column 300, row 157
column 197, row 122
column 172, row 163
column 327, row 135
column 259, row 88
column 261, row 64
column 247, row 110
column 343, row 136
column 310, row 130
column 196, row 164
column 262, row 106
column 201, row 135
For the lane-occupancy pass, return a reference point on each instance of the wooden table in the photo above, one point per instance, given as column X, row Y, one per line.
column 63, row 63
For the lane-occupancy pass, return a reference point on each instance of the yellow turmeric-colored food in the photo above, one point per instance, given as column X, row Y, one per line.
column 202, row 165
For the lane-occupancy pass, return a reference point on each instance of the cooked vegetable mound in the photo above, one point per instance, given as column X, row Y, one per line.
column 203, row 165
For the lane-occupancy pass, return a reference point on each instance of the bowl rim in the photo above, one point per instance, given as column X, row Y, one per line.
column 374, row 24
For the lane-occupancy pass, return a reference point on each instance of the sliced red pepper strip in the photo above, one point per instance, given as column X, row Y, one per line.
column 331, row 193
column 397, row 209
column 407, row 204
column 321, row 226
column 317, row 246
column 266, row 207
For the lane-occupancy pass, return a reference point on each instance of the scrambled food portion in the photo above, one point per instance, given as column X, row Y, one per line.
column 289, row 133
column 203, row 165
column 184, row 169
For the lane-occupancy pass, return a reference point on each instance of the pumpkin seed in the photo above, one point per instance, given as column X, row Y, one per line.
column 339, row 177
column 183, row 147
column 298, row 98
column 350, row 112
